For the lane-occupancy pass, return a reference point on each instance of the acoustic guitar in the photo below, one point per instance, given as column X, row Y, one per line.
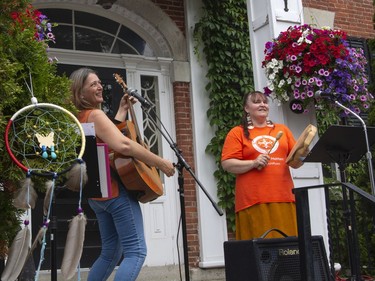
column 136, row 176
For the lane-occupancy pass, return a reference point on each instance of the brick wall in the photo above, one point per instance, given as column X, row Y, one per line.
column 174, row 9
column 355, row 17
column 184, row 141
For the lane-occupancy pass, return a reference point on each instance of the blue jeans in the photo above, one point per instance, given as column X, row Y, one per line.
column 121, row 230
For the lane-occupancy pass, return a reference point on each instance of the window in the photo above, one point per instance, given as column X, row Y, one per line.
column 83, row 31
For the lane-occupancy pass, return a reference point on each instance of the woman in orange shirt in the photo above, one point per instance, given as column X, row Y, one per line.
column 263, row 191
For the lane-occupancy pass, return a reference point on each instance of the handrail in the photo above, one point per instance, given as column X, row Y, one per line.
column 304, row 227
column 356, row 189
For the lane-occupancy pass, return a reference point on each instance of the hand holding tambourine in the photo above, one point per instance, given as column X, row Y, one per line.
column 301, row 148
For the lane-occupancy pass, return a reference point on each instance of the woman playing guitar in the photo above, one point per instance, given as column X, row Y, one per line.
column 120, row 218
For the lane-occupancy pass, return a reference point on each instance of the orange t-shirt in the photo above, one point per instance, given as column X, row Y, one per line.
column 271, row 184
column 83, row 116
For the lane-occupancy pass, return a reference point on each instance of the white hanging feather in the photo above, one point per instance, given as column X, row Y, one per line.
column 38, row 238
column 73, row 246
column 47, row 197
column 76, row 175
column 25, row 197
column 17, row 255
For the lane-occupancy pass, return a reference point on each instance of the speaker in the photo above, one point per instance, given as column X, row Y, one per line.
column 275, row 259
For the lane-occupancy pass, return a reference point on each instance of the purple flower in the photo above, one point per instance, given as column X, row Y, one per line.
column 296, row 94
column 269, row 46
column 267, row 91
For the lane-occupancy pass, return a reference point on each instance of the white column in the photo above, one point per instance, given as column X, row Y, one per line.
column 212, row 227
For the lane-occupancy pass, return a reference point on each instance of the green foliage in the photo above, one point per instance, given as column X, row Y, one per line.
column 22, row 57
column 224, row 32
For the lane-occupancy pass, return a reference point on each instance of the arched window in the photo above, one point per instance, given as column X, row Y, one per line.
column 77, row 30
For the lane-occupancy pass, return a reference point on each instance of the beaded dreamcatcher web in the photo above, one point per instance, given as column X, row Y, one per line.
column 43, row 139
column 46, row 140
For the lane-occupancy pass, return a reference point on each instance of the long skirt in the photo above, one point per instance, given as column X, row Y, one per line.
column 253, row 222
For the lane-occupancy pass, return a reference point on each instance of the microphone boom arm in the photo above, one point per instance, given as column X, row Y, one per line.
column 368, row 153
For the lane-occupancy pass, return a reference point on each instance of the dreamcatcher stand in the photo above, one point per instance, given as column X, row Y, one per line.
column 48, row 141
column 53, row 238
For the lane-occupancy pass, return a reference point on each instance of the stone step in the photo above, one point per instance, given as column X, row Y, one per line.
column 160, row 273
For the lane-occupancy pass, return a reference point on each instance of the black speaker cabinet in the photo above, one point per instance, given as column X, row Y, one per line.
column 275, row 259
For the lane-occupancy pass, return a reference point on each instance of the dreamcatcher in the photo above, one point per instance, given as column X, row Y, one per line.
column 48, row 141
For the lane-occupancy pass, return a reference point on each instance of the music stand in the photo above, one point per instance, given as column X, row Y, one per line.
column 341, row 145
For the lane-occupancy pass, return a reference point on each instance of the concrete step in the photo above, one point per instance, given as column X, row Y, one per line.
column 160, row 273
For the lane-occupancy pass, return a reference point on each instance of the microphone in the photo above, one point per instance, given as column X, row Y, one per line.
column 320, row 94
column 142, row 100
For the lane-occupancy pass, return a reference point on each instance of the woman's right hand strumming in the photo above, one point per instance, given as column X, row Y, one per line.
column 167, row 167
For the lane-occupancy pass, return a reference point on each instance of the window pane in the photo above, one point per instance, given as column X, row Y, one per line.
column 64, row 38
column 123, row 48
column 94, row 33
column 151, row 133
column 58, row 15
column 97, row 22
column 91, row 40
column 133, row 39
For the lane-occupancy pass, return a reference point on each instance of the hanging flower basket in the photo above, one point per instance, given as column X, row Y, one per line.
column 303, row 63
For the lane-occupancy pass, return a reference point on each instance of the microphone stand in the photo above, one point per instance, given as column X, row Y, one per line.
column 368, row 153
column 181, row 164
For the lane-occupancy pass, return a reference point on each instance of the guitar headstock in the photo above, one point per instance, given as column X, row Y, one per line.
column 119, row 80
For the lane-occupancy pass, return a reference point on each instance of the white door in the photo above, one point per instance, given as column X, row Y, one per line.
column 160, row 215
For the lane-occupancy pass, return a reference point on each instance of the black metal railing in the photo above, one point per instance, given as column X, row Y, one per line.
column 353, row 253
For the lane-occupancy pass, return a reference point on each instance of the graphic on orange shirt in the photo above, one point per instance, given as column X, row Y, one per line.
column 263, row 143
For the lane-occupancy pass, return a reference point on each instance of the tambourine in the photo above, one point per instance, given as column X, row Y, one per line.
column 301, row 148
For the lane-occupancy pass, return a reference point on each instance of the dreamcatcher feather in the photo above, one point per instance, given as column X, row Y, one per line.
column 74, row 241
column 26, row 196
column 47, row 198
column 74, row 246
column 43, row 140
column 76, row 176
column 38, row 239
column 17, row 255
